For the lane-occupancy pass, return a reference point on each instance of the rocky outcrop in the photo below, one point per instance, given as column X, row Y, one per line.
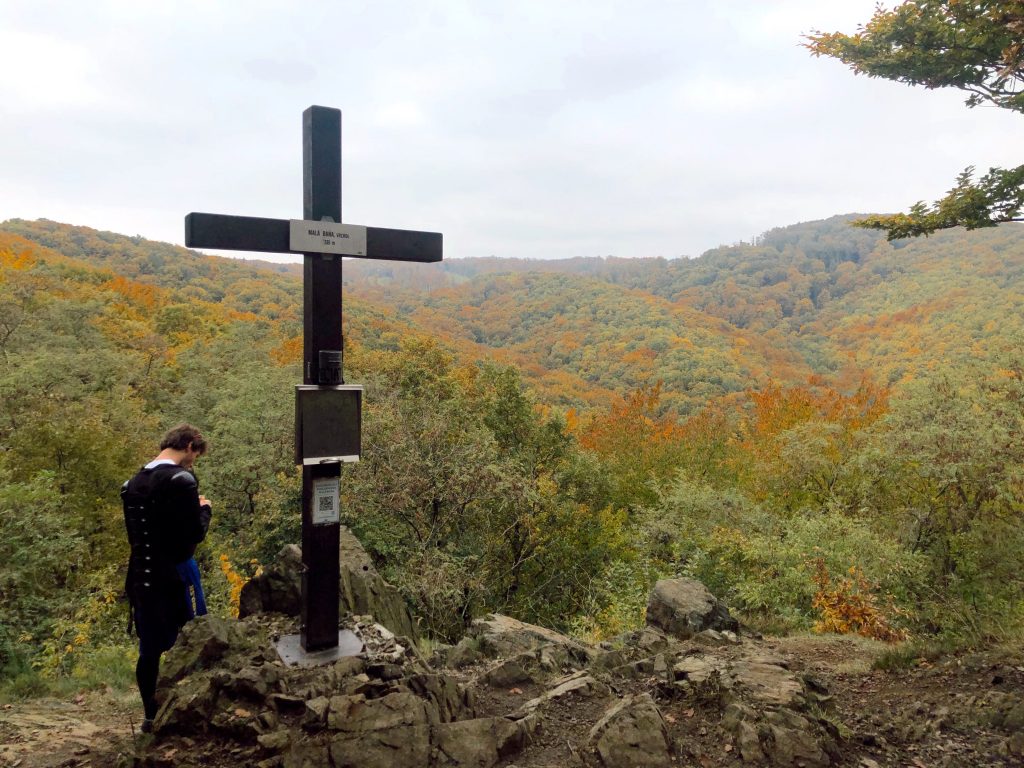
column 576, row 685
column 351, row 553
column 685, row 607
column 362, row 591
column 224, row 683
column 517, row 653
column 534, row 666
column 781, row 736
column 651, row 698
column 499, row 636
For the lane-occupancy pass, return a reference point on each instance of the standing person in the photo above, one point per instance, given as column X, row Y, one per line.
column 166, row 517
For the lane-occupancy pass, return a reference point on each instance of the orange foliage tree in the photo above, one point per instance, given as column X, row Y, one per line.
column 641, row 445
column 795, row 441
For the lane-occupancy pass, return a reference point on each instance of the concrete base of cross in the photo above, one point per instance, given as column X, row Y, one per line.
column 290, row 649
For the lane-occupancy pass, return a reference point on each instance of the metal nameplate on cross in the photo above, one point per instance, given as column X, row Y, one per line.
column 328, row 412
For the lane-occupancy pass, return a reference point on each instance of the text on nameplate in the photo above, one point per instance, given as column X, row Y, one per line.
column 327, row 237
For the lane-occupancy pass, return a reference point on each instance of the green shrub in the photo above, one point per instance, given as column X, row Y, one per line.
column 618, row 601
column 763, row 564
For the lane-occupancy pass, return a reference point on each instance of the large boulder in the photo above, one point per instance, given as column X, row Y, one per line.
column 502, row 637
column 278, row 589
column 365, row 592
column 685, row 607
column 480, row 742
column 632, row 734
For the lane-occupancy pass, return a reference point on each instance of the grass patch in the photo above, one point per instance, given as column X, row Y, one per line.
column 109, row 666
column 22, row 685
column 770, row 624
column 914, row 653
column 428, row 645
column 830, row 717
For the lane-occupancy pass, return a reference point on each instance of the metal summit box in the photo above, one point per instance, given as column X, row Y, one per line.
column 328, row 422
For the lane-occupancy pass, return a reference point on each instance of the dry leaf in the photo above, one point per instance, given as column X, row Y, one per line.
column 688, row 713
column 728, row 747
column 516, row 690
column 242, row 712
column 669, row 719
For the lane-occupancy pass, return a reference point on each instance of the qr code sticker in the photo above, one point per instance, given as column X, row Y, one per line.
column 326, row 504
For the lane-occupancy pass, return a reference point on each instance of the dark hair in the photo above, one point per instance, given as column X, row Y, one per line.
column 181, row 437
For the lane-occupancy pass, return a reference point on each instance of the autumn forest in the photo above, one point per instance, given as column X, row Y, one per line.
column 822, row 425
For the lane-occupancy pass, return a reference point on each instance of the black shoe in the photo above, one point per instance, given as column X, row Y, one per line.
column 147, row 726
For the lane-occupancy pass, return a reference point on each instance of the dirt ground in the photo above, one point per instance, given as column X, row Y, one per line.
column 89, row 729
column 963, row 710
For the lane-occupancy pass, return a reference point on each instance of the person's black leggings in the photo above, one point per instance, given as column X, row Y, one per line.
column 157, row 623
column 146, row 672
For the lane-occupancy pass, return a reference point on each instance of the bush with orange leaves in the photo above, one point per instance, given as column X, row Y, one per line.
column 235, row 581
column 850, row 605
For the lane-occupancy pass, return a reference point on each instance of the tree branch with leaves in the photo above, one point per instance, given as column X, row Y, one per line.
column 977, row 47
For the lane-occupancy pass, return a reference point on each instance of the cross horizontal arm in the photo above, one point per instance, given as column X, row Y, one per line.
column 249, row 233
column 236, row 233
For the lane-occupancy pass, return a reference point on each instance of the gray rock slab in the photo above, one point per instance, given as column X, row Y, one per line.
column 479, row 743
column 580, row 684
column 768, row 683
column 632, row 734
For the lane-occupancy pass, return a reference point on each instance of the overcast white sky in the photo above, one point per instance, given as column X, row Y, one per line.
column 531, row 129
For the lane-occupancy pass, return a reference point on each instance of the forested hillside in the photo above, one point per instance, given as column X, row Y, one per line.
column 823, row 426
column 820, row 298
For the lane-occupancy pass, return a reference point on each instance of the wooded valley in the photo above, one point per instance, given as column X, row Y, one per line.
column 823, row 426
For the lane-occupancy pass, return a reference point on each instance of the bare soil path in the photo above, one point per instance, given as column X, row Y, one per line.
column 89, row 729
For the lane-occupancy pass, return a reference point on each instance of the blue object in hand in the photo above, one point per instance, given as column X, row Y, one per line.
column 194, row 597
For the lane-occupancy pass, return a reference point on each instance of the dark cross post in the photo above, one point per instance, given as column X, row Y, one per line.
column 321, row 331
column 327, row 411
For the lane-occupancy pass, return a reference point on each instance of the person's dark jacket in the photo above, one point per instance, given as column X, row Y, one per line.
column 165, row 522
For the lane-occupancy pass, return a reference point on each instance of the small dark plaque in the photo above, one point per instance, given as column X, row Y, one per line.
column 330, row 371
column 327, row 423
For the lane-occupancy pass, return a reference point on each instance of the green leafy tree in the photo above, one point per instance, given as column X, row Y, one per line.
column 977, row 47
column 41, row 564
column 472, row 498
column 952, row 452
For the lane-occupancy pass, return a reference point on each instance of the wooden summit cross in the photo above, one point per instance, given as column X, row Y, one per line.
column 327, row 412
